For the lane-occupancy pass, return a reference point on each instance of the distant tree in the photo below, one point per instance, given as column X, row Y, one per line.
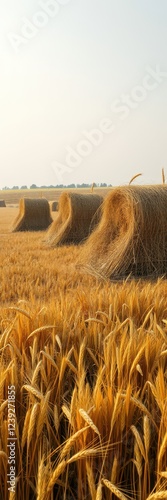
column 15, row 187
column 23, row 187
column 33, row 186
column 5, row 188
column 71, row 186
column 103, row 185
column 83, row 185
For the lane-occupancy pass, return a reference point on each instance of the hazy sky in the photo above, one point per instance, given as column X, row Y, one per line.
column 83, row 91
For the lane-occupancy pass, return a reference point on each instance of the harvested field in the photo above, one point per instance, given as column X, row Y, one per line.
column 34, row 215
column 7, row 215
column 78, row 214
column 131, row 238
column 13, row 196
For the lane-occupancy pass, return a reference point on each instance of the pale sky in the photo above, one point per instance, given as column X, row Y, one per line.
column 83, row 91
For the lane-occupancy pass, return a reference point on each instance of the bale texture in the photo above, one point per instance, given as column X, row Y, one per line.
column 2, row 203
column 77, row 216
column 34, row 215
column 131, row 238
column 54, row 206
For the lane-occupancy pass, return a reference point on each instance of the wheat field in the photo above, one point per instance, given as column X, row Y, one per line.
column 88, row 359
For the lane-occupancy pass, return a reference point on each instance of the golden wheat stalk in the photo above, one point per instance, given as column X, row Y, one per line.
column 162, row 450
column 12, row 495
column 159, row 495
column 43, row 413
column 56, row 474
column 83, row 454
column 116, row 410
column 57, row 338
column 147, row 435
column 136, row 359
column 138, row 461
column 32, row 422
column 142, row 407
column 114, row 489
column 36, row 372
column 133, row 178
column 33, row 391
column 99, row 492
column 91, row 481
column 139, row 370
column 71, row 441
column 50, row 359
column 56, row 418
column 25, row 427
column 41, row 492
column 81, row 356
column 114, row 470
column 163, row 176
column 41, row 329
column 21, row 311
column 66, row 412
column 89, row 421
column 139, row 440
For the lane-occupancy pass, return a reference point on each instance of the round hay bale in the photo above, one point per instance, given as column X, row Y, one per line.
column 2, row 203
column 34, row 215
column 54, row 206
column 131, row 238
column 77, row 216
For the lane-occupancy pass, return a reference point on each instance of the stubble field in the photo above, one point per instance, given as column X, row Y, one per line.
column 88, row 362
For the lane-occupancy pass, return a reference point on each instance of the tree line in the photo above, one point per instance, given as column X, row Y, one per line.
column 60, row 186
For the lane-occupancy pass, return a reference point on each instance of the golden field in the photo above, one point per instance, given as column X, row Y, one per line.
column 88, row 360
column 13, row 196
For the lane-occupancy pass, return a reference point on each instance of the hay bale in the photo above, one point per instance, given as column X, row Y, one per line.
column 34, row 215
column 77, row 216
column 131, row 238
column 54, row 206
column 2, row 203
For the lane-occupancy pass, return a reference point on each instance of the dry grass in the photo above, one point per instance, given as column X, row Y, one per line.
column 34, row 215
column 89, row 363
column 131, row 238
column 77, row 216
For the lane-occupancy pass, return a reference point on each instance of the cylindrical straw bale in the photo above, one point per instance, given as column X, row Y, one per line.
column 34, row 215
column 2, row 203
column 54, row 206
column 77, row 216
column 131, row 238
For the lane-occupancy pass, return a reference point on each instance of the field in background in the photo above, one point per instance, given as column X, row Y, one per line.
column 13, row 196
column 89, row 363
